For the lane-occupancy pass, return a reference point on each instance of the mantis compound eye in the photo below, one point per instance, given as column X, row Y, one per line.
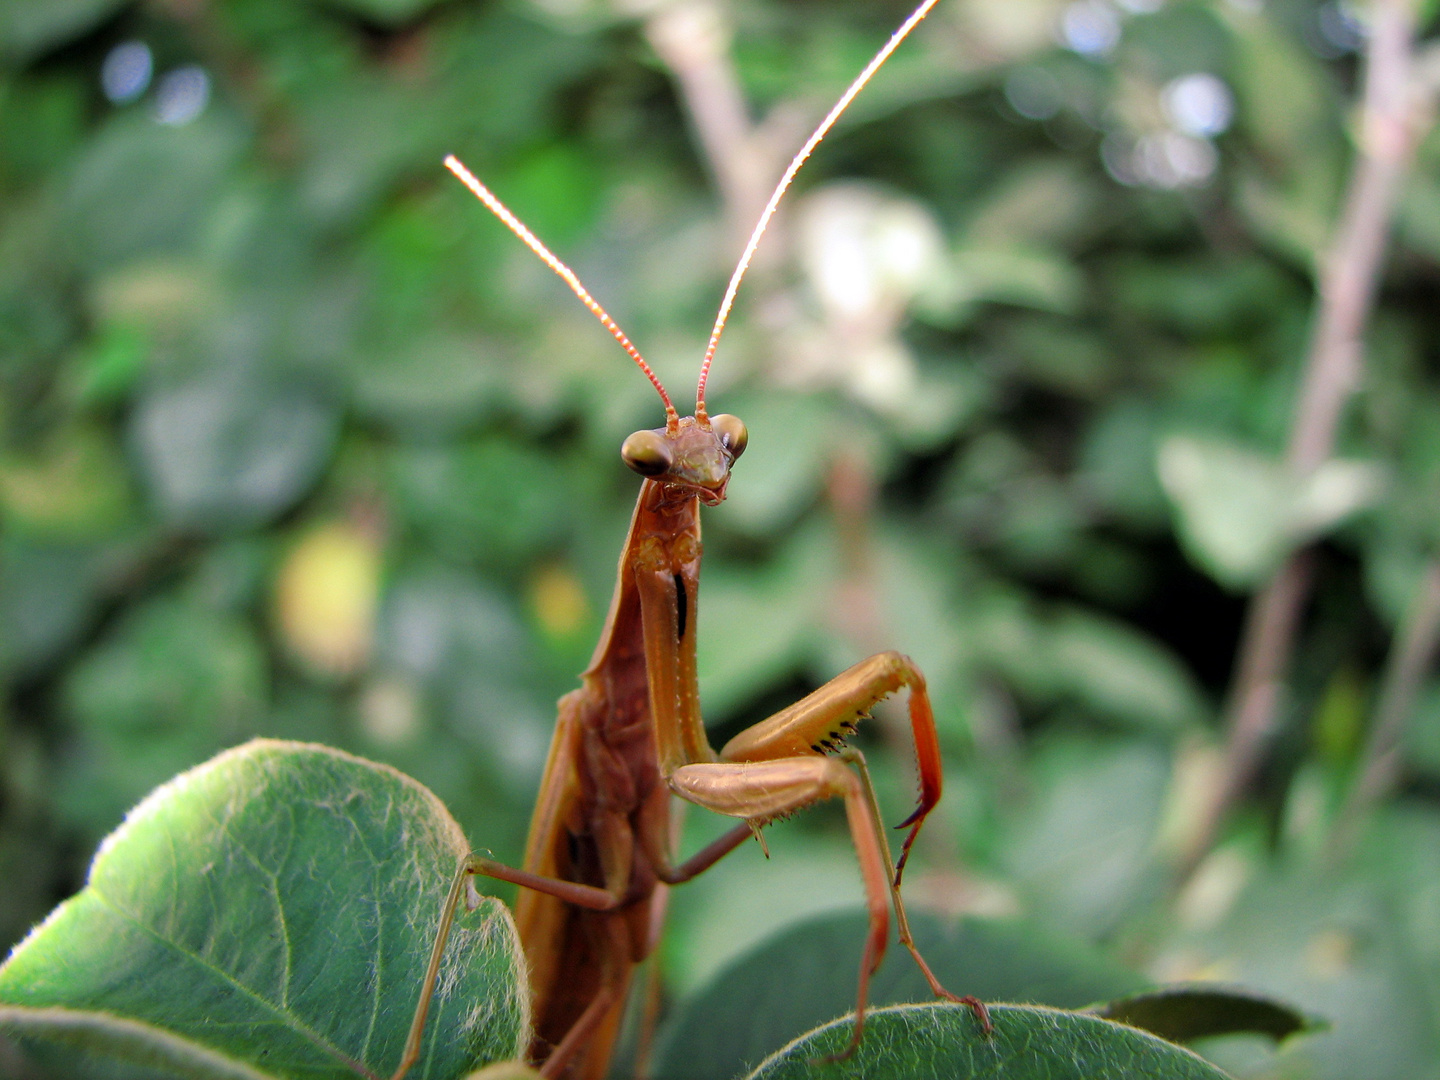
column 647, row 453
column 731, row 430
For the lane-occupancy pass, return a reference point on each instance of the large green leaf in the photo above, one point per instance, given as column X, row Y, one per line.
column 270, row 914
column 924, row 1042
column 807, row 975
column 1105, row 665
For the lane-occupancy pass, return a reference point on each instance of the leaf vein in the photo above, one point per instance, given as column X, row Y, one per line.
column 294, row 1022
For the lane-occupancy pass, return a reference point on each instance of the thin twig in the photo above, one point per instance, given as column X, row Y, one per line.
column 1264, row 658
column 693, row 41
column 1410, row 658
column 1391, row 122
column 1391, row 125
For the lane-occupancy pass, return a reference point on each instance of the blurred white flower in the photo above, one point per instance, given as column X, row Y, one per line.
column 884, row 376
column 126, row 71
column 1198, row 104
column 866, row 253
column 1090, row 27
column 1163, row 159
column 182, row 95
column 1168, row 159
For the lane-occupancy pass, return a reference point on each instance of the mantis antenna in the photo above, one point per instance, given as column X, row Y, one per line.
column 789, row 175
column 515, row 225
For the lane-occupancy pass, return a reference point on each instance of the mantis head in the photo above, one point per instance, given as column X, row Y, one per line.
column 694, row 455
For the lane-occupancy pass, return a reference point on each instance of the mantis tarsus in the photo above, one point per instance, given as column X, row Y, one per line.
column 632, row 737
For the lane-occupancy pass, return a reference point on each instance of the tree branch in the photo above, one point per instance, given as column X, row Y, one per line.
column 1394, row 112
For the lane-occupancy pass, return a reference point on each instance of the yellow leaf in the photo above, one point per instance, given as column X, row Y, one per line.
column 326, row 596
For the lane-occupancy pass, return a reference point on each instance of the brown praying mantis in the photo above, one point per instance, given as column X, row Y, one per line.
column 631, row 737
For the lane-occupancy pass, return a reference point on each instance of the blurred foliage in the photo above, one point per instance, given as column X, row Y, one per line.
column 297, row 441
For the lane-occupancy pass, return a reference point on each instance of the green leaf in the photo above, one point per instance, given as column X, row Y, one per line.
column 757, row 626
column 1422, row 733
column 796, row 434
column 1106, row 666
column 1283, row 94
column 434, row 383
column 1203, row 299
column 1117, row 464
column 807, row 974
column 1085, row 848
column 43, row 122
column 172, row 682
column 28, row 28
column 1014, row 274
column 74, row 489
column 48, row 592
column 111, row 364
column 1359, row 949
column 923, row 1042
column 270, row 914
column 1060, row 355
column 1039, row 203
column 361, row 135
column 386, row 12
column 1184, row 1013
column 1295, row 218
column 144, row 189
column 225, row 450
column 1240, row 513
column 1417, row 218
column 494, row 499
column 1116, row 671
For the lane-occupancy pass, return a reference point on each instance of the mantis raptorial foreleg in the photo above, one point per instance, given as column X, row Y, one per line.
column 778, row 766
column 821, row 720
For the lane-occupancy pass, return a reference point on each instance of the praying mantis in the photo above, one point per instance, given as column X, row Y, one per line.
column 631, row 737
